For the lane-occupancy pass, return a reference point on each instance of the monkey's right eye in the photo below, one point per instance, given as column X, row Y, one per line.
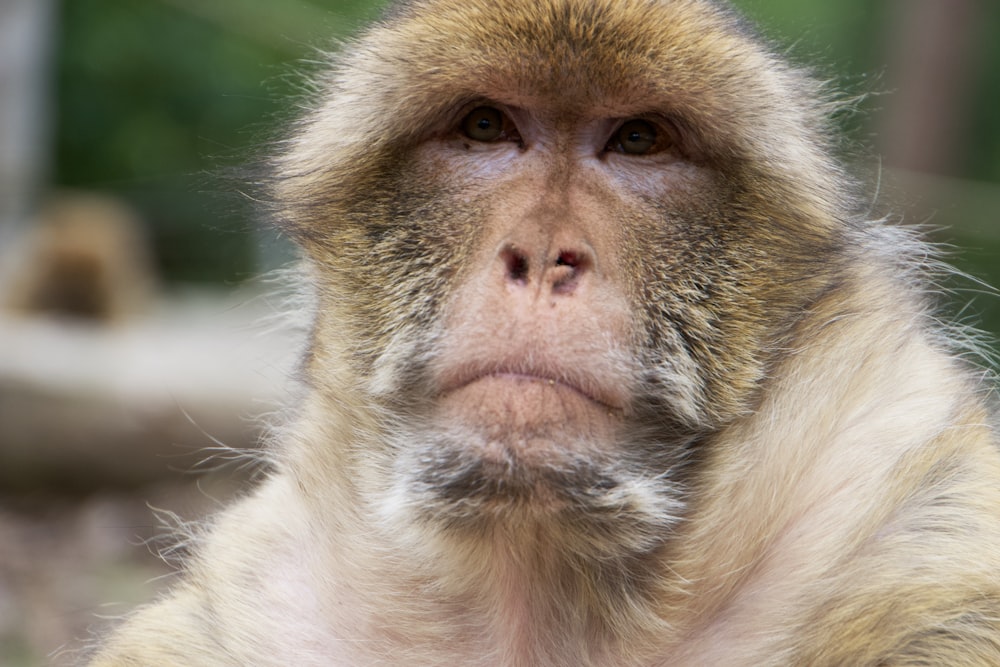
column 484, row 124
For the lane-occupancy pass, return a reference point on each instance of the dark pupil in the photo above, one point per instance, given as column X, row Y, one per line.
column 637, row 137
column 483, row 124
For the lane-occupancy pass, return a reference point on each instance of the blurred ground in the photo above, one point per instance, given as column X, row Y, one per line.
column 110, row 430
column 60, row 555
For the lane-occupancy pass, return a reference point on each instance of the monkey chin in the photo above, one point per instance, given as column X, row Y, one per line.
column 521, row 452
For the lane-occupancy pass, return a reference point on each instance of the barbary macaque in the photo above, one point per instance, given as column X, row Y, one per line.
column 85, row 257
column 608, row 366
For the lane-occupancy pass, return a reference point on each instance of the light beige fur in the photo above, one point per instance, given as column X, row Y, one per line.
column 768, row 451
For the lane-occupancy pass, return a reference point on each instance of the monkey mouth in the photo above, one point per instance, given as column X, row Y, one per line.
column 578, row 382
column 525, row 380
column 531, row 416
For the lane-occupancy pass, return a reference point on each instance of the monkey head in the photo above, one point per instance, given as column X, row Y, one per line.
column 553, row 267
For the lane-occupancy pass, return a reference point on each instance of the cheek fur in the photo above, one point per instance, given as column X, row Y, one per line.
column 717, row 292
column 410, row 271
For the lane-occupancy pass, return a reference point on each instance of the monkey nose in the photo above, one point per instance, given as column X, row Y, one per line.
column 560, row 271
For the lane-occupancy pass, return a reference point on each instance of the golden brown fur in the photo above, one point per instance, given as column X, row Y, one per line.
column 570, row 405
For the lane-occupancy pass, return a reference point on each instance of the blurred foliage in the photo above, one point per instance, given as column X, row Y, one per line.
column 983, row 130
column 158, row 99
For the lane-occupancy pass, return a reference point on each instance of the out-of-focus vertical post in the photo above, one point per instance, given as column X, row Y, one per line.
column 931, row 61
column 26, row 40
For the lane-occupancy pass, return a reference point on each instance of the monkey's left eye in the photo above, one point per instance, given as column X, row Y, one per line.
column 486, row 124
column 638, row 137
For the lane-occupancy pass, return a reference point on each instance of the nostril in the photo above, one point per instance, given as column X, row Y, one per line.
column 575, row 261
column 516, row 263
column 569, row 258
column 560, row 272
column 567, row 270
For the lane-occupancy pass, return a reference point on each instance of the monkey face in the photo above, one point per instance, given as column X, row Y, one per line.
column 554, row 282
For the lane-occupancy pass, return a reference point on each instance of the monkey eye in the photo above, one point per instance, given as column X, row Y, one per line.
column 638, row 137
column 488, row 124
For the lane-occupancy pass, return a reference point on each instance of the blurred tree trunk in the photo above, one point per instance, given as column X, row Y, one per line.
column 26, row 28
column 930, row 73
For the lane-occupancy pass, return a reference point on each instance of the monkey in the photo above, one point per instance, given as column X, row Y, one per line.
column 608, row 365
column 86, row 258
